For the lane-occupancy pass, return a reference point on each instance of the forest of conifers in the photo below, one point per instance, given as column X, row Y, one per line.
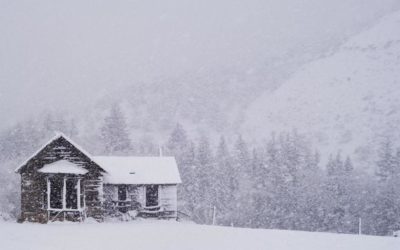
column 280, row 183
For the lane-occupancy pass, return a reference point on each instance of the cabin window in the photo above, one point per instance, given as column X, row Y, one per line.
column 64, row 193
column 72, row 194
column 56, row 192
column 122, row 192
column 151, row 195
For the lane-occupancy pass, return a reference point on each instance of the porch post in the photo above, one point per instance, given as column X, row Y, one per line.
column 48, row 193
column 79, row 193
column 65, row 194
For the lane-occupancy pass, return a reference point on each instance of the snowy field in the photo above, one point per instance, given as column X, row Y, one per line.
column 173, row 235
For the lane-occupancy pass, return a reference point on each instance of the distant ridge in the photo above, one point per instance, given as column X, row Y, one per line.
column 347, row 100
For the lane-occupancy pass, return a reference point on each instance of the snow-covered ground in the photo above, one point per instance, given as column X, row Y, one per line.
column 174, row 235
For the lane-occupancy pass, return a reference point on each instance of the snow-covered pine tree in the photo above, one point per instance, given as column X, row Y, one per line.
column 183, row 149
column 190, row 184
column 348, row 200
column 204, row 171
column 386, row 163
column 225, row 184
column 177, row 141
column 242, row 166
column 333, row 213
column 339, row 206
column 145, row 146
column 309, row 192
column 114, row 133
column 274, row 196
column 260, row 190
column 387, row 204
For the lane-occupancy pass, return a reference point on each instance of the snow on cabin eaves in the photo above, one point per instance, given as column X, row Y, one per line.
column 62, row 167
column 56, row 137
column 139, row 170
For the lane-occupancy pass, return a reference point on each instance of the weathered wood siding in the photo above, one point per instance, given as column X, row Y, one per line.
column 168, row 199
column 134, row 193
column 33, row 183
column 93, row 191
column 141, row 195
column 33, row 198
column 167, row 195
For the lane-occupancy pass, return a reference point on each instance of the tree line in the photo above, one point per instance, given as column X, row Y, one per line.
column 280, row 183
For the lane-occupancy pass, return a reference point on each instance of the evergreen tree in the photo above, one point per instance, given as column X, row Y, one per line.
column 273, row 208
column 177, row 142
column 260, row 190
column 348, row 165
column 386, row 164
column 190, row 184
column 204, row 171
column 225, row 184
column 146, row 147
column 340, row 206
column 183, row 149
column 387, row 205
column 309, row 192
column 114, row 133
column 242, row 165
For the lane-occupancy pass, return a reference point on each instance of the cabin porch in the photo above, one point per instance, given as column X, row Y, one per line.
column 65, row 197
column 130, row 201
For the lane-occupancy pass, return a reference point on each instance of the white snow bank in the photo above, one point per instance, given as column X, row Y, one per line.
column 139, row 170
column 175, row 236
column 62, row 167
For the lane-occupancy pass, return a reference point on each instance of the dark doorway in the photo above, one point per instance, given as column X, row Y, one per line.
column 56, row 192
column 151, row 195
column 72, row 194
column 122, row 192
column 122, row 204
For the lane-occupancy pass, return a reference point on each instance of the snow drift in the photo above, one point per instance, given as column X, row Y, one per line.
column 172, row 235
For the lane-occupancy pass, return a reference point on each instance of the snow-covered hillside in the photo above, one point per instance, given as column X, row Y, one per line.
column 345, row 100
column 175, row 236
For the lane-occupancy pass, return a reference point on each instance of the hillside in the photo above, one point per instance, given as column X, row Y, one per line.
column 172, row 235
column 345, row 100
column 201, row 64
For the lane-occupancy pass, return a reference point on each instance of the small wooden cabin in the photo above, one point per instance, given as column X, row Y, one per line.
column 61, row 181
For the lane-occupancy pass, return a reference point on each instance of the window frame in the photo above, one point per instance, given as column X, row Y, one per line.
column 79, row 194
column 155, row 187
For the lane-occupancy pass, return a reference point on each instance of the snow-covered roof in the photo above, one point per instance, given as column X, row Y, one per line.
column 139, row 170
column 118, row 169
column 63, row 167
column 57, row 136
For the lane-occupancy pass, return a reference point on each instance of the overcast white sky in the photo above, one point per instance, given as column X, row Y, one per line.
column 65, row 54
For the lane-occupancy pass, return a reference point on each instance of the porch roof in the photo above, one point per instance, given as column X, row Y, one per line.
column 63, row 167
column 139, row 170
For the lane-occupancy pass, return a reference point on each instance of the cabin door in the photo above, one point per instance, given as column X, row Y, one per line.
column 151, row 195
column 55, row 192
column 122, row 193
column 122, row 203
